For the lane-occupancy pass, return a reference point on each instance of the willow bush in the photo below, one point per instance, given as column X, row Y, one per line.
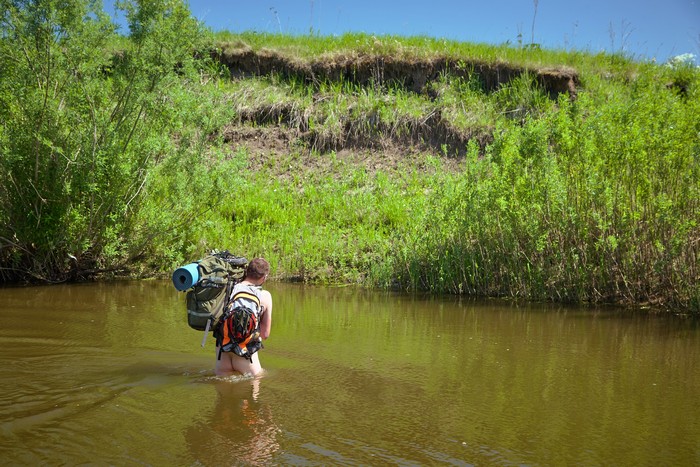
column 82, row 125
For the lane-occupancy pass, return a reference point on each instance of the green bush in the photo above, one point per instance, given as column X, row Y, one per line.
column 83, row 125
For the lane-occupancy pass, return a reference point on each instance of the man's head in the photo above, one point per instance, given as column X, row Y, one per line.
column 257, row 269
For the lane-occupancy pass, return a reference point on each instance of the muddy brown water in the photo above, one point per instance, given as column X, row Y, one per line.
column 110, row 374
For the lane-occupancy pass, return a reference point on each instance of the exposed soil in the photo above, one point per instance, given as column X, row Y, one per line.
column 282, row 150
column 279, row 138
column 411, row 74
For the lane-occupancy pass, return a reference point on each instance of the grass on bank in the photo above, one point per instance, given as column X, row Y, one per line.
column 415, row 48
column 593, row 199
column 512, row 193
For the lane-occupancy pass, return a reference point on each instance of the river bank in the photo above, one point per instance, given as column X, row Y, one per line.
column 405, row 163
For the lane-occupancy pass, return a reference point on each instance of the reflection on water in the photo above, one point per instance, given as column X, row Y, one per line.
column 111, row 374
column 239, row 429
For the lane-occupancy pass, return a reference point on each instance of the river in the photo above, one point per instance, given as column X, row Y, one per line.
column 110, row 374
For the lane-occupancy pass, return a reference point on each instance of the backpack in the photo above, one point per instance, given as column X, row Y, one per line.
column 238, row 330
column 217, row 272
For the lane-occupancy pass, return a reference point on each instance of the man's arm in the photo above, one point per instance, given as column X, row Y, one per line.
column 266, row 313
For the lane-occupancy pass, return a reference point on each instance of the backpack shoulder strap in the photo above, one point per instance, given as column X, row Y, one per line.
column 245, row 292
column 246, row 295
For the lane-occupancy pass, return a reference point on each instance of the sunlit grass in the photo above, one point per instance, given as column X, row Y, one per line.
column 591, row 197
column 415, row 48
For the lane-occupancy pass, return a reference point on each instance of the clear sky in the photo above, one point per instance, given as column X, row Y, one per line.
column 644, row 29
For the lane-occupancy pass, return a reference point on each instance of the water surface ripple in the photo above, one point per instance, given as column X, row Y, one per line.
column 111, row 374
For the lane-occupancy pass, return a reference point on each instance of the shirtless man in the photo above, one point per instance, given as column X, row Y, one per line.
column 255, row 276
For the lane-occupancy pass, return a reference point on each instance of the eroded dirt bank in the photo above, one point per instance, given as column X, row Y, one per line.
column 411, row 74
column 282, row 129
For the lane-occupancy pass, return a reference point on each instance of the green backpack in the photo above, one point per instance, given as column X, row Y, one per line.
column 206, row 299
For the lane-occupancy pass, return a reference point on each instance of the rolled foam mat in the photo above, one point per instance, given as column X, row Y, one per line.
column 186, row 276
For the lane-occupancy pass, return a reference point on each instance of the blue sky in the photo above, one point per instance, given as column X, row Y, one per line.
column 644, row 29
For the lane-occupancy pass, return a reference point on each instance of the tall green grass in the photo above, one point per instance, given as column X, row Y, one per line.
column 595, row 200
column 130, row 159
column 337, row 228
column 586, row 199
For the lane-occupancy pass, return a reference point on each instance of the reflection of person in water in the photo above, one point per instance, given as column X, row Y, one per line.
column 241, row 429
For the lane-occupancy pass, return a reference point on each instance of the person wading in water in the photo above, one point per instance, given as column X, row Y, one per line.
column 228, row 363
